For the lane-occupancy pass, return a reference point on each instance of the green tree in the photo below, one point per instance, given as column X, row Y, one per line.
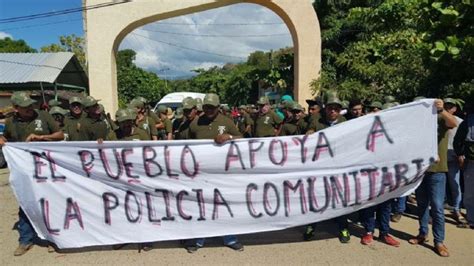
column 71, row 43
column 7, row 45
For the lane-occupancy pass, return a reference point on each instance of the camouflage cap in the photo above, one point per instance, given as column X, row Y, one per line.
column 225, row 107
column 376, row 104
column 141, row 99
column 297, row 107
column 125, row 114
column 263, row 100
column 53, row 102
column 188, row 103
column 162, row 109
column 75, row 99
column 89, row 101
column 211, row 99
column 333, row 99
column 450, row 100
column 288, row 104
column 388, row 105
column 243, row 107
column 389, row 99
column 135, row 103
column 21, row 99
column 178, row 114
column 57, row 110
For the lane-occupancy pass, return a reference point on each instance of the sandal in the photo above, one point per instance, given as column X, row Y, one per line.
column 419, row 239
column 465, row 225
column 442, row 250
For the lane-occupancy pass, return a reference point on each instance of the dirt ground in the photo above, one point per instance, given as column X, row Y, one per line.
column 272, row 248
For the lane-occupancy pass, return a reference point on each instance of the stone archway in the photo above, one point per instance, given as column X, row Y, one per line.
column 105, row 28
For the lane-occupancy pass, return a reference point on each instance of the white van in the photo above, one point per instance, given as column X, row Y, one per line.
column 174, row 100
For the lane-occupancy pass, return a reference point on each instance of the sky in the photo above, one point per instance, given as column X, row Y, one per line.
column 171, row 48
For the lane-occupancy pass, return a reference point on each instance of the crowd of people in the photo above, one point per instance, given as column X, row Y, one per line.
column 86, row 120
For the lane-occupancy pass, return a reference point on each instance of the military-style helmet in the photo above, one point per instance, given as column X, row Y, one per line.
column 211, row 99
column 125, row 114
column 376, row 104
column 57, row 110
column 263, row 100
column 21, row 99
column 89, row 101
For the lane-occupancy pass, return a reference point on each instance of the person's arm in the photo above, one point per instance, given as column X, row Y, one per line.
column 449, row 119
column 56, row 136
column 3, row 140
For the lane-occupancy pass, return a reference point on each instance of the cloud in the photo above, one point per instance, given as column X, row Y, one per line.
column 175, row 46
column 4, row 35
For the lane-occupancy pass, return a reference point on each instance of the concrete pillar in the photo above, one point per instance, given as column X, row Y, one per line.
column 106, row 27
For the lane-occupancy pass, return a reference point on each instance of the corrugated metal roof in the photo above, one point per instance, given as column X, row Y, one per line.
column 32, row 67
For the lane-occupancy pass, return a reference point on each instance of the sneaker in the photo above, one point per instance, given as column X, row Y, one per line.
column 309, row 233
column 236, row 246
column 22, row 249
column 192, row 248
column 396, row 217
column 367, row 239
column 389, row 240
column 344, row 236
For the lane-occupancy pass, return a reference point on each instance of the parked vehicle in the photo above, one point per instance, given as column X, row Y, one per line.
column 174, row 100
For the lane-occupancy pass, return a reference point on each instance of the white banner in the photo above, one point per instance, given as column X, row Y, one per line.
column 80, row 194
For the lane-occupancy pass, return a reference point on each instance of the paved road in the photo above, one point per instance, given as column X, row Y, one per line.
column 274, row 248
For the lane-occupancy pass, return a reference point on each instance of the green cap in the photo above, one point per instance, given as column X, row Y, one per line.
column 22, row 99
column 125, row 114
column 211, row 99
column 162, row 109
column 199, row 104
column 389, row 99
column 75, row 99
column 288, row 104
column 376, row 104
column 188, row 103
column 450, row 100
column 135, row 103
column 388, row 105
column 57, row 110
column 89, row 101
column 178, row 114
column 297, row 106
column 263, row 100
column 53, row 102
column 243, row 107
column 333, row 99
column 141, row 99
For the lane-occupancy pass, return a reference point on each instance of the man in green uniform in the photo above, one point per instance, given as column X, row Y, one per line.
column 295, row 123
column 165, row 129
column 375, row 107
column 28, row 124
column 95, row 127
column 267, row 123
column 190, row 113
column 213, row 125
column 144, row 121
column 127, row 129
column 74, row 121
column 58, row 114
column 245, row 122
column 178, row 119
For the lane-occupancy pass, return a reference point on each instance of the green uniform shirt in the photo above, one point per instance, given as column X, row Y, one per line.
column 322, row 123
column 244, row 121
column 294, row 128
column 17, row 130
column 183, row 129
column 266, row 124
column 73, row 128
column 137, row 134
column 162, row 133
column 442, row 165
column 204, row 128
column 148, row 125
column 96, row 129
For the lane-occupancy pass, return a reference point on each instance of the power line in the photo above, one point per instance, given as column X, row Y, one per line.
column 218, row 35
column 39, row 25
column 189, row 48
column 60, row 12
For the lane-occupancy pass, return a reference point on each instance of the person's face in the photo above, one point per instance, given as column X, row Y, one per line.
column 75, row 109
column 210, row 111
column 314, row 109
column 356, row 110
column 332, row 112
column 298, row 114
column 374, row 110
column 94, row 110
column 126, row 126
column 190, row 114
column 450, row 108
column 263, row 108
column 25, row 112
column 59, row 119
column 242, row 111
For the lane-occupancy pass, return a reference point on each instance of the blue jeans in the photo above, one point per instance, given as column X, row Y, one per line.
column 399, row 205
column 228, row 240
column 454, row 185
column 469, row 190
column 431, row 192
column 26, row 231
column 380, row 212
